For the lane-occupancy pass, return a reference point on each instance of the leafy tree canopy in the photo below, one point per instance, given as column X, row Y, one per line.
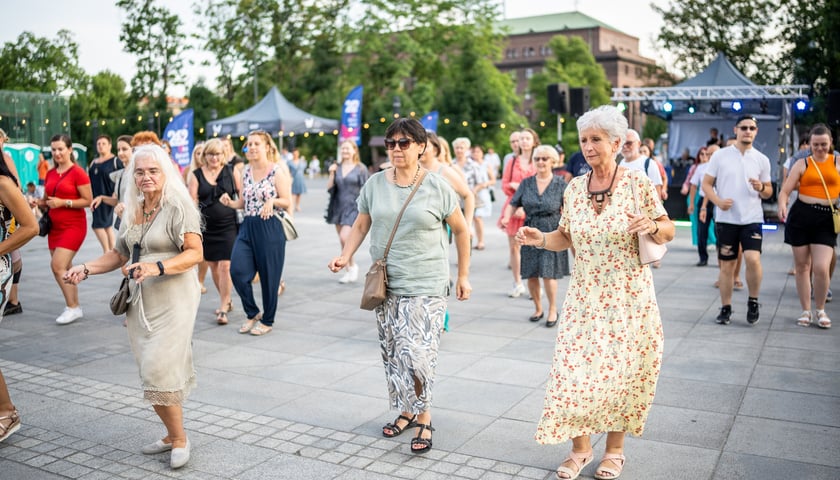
column 38, row 64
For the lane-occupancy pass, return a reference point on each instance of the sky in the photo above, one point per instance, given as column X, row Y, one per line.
column 96, row 27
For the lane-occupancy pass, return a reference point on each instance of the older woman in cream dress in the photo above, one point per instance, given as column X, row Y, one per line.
column 609, row 338
column 162, row 225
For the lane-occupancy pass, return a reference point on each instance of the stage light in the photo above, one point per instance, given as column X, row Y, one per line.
column 667, row 107
column 801, row 105
column 764, row 106
column 737, row 106
column 621, row 106
column 692, row 108
column 714, row 108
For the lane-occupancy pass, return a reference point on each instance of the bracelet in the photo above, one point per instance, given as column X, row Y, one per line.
column 160, row 267
column 86, row 271
column 657, row 228
column 702, row 209
column 763, row 186
column 544, row 241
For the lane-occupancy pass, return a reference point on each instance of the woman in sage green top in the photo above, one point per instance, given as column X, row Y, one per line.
column 411, row 319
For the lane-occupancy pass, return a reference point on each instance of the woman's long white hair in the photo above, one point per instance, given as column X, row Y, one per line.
column 174, row 191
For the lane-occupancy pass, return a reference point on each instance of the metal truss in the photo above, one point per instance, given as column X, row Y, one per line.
column 734, row 92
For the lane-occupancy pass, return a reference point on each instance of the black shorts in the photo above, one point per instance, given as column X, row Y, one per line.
column 731, row 236
column 809, row 224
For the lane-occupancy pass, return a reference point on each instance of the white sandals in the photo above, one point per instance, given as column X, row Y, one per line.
column 804, row 320
column 822, row 319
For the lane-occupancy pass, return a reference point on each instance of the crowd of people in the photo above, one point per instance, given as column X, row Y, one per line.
column 165, row 228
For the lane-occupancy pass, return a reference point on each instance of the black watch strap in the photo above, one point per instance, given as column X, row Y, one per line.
column 160, row 267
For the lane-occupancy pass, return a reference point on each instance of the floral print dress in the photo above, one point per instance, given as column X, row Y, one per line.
column 609, row 339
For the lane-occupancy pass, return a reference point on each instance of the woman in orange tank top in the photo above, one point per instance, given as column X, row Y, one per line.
column 809, row 227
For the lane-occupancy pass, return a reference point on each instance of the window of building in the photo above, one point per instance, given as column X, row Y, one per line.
column 529, row 72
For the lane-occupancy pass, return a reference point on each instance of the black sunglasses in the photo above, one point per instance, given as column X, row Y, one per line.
column 751, row 128
column 404, row 143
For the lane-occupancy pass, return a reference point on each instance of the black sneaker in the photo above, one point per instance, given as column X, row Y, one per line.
column 725, row 313
column 752, row 312
column 12, row 308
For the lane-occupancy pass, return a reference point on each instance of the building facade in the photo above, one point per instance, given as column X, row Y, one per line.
column 617, row 52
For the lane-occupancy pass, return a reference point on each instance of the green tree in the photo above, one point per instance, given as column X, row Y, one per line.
column 572, row 63
column 812, row 31
column 155, row 36
column 694, row 31
column 38, row 64
column 205, row 104
column 99, row 98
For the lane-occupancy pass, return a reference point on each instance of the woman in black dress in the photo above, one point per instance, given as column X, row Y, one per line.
column 212, row 180
column 541, row 196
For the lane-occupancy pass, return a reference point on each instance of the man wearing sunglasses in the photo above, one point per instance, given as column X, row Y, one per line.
column 736, row 181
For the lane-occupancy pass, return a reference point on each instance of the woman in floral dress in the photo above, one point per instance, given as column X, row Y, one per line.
column 609, row 340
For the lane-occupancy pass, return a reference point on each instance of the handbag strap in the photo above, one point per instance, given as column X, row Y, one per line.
column 407, row 200
column 827, row 195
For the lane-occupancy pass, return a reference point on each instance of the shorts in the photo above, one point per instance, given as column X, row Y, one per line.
column 731, row 236
column 809, row 224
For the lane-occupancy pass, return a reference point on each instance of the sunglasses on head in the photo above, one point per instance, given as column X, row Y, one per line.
column 404, row 143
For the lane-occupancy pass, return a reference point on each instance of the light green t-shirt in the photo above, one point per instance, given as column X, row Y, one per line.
column 418, row 262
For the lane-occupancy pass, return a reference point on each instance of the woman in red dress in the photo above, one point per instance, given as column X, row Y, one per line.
column 66, row 194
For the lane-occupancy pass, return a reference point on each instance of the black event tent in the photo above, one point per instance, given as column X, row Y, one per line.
column 275, row 115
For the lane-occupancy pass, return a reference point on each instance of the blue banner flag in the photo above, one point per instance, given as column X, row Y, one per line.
column 179, row 134
column 430, row 121
column 351, row 117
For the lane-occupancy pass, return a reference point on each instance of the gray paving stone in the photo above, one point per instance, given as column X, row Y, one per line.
column 814, row 409
column 784, row 440
column 685, row 426
column 468, row 395
column 734, row 465
column 796, row 380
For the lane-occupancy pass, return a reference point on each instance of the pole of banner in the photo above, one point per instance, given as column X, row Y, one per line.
column 560, row 129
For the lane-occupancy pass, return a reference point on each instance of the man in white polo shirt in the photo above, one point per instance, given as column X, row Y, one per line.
column 736, row 181
column 634, row 161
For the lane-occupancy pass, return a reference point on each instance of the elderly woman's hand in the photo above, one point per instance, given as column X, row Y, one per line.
column 640, row 223
column 530, row 236
column 75, row 275
column 143, row 270
column 119, row 208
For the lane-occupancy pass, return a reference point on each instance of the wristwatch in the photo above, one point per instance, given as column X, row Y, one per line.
column 160, row 267
column 68, row 203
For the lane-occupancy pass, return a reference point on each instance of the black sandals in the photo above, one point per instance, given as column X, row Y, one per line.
column 395, row 429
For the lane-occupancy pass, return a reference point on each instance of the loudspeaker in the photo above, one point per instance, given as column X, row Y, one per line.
column 558, row 98
column 578, row 101
column 832, row 106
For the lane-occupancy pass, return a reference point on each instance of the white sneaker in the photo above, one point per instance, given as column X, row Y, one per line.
column 69, row 315
column 350, row 275
column 518, row 290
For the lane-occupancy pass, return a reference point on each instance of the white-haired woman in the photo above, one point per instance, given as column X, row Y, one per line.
column 162, row 228
column 609, row 342
column 541, row 196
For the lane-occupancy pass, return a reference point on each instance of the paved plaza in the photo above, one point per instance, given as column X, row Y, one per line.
column 308, row 400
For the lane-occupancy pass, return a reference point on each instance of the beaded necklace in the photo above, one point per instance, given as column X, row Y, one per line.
column 413, row 181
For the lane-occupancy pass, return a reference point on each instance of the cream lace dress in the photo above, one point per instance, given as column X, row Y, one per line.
column 162, row 311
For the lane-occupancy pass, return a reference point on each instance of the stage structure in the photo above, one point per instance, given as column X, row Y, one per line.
column 715, row 98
